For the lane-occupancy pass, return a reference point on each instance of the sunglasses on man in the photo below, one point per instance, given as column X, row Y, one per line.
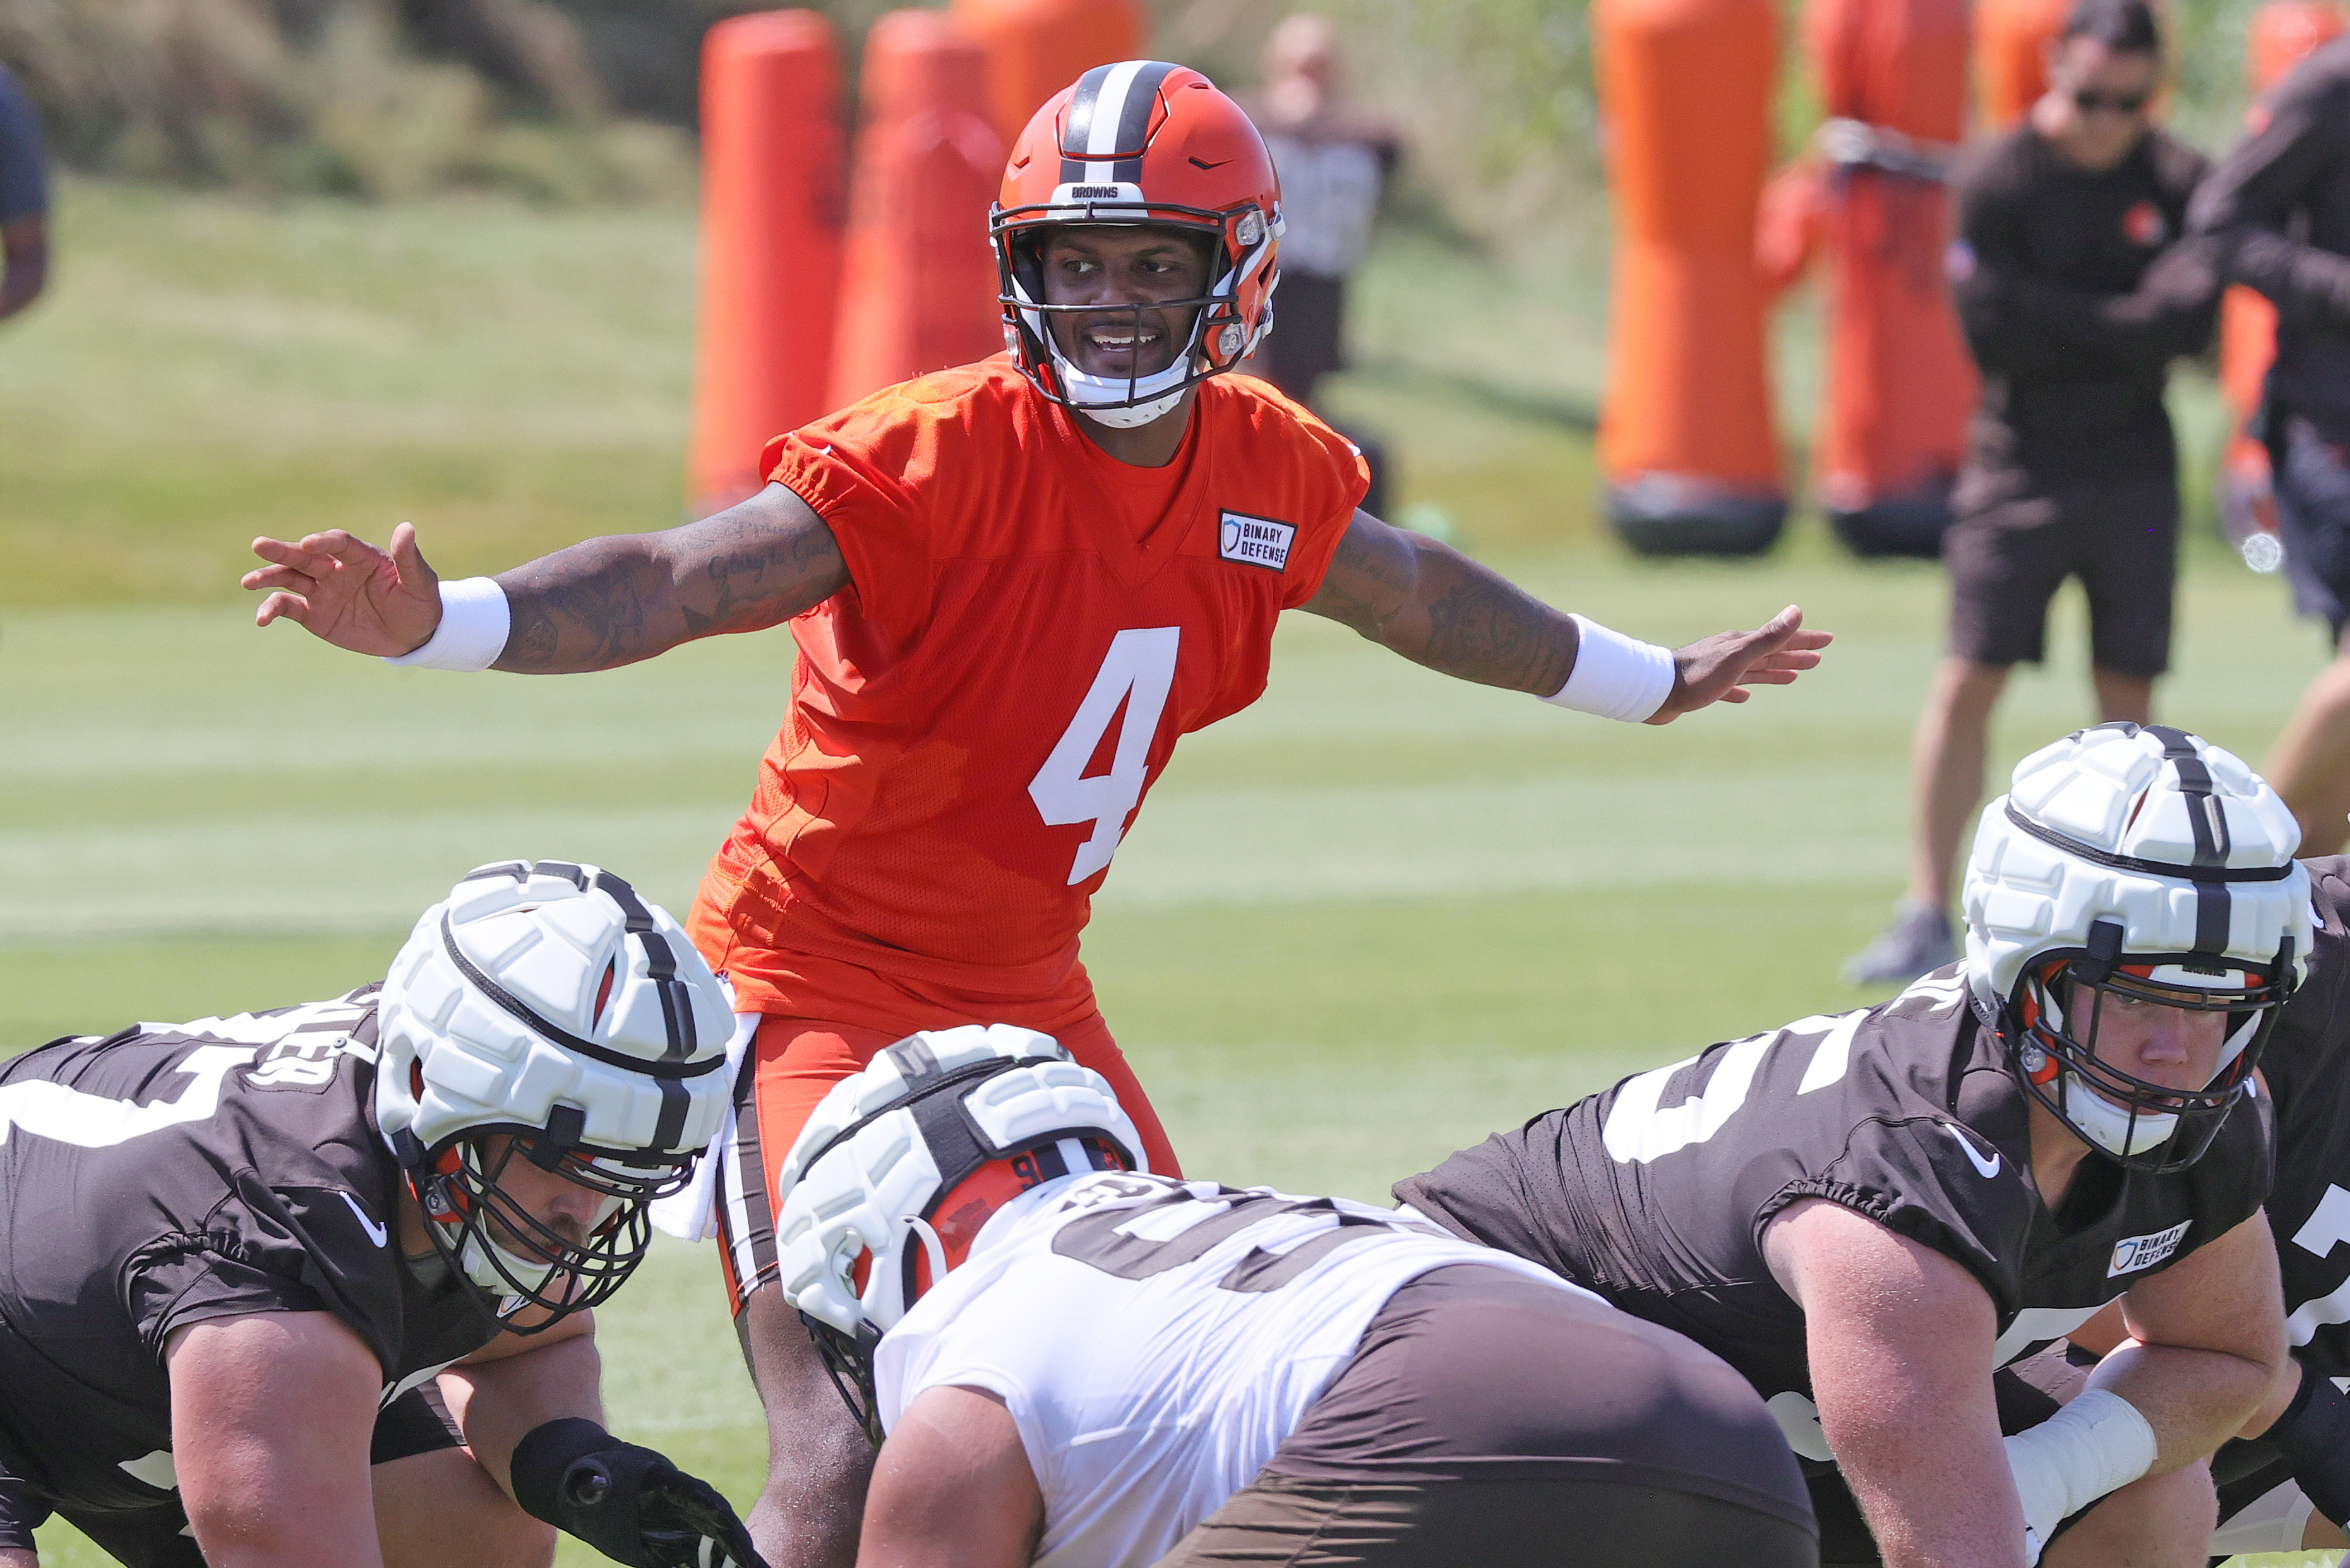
column 2088, row 100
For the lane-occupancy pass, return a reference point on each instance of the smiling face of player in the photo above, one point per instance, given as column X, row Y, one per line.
column 1120, row 268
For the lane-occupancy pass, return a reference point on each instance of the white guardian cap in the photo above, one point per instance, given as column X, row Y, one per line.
column 2137, row 864
column 545, row 1010
column 902, row 1166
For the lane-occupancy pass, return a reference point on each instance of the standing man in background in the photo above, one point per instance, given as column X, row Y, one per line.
column 2075, row 300
column 2280, row 205
column 1333, row 163
column 24, row 200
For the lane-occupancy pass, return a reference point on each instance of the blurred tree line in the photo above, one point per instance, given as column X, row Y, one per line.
column 593, row 100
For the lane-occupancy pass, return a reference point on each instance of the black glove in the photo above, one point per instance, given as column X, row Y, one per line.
column 629, row 1503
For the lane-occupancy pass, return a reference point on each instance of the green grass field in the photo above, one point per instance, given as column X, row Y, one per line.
column 1366, row 921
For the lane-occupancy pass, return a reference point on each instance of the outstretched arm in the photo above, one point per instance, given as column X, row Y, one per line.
column 1435, row 606
column 595, row 606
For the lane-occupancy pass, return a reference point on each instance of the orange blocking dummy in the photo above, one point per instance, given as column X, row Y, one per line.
column 2011, row 40
column 2283, row 33
column 919, row 289
column 1900, row 382
column 1685, row 442
column 771, row 216
column 1037, row 48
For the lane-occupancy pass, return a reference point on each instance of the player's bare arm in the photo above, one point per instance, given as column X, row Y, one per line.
column 952, row 1488
column 1900, row 1346
column 595, row 606
column 271, row 1417
column 518, row 1383
column 2206, row 1344
column 1438, row 607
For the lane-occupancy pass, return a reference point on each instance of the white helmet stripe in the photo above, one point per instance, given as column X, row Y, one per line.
column 2207, row 820
column 1108, row 122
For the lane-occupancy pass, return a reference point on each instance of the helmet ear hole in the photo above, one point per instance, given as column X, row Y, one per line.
column 604, row 990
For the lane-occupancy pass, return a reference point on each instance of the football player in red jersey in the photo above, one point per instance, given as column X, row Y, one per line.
column 1013, row 586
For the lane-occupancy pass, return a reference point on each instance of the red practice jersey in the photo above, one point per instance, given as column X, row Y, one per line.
column 1030, row 625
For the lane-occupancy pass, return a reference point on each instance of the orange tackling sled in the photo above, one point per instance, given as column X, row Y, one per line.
column 2011, row 40
column 1873, row 200
column 1037, row 48
column 1685, row 441
column 771, row 214
column 920, row 290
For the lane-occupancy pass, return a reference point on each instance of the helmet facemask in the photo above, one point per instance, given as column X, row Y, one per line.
column 488, row 1234
column 1216, row 342
column 2064, row 1002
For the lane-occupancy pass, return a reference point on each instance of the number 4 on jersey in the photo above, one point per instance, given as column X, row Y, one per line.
column 1135, row 676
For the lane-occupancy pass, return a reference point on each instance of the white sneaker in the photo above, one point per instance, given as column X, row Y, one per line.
column 1917, row 943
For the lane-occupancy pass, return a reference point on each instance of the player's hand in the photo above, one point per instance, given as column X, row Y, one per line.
column 350, row 593
column 635, row 1507
column 1720, row 668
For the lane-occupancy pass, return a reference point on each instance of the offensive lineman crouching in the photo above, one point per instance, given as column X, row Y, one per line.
column 1866, row 1213
column 1083, row 1365
column 309, row 1286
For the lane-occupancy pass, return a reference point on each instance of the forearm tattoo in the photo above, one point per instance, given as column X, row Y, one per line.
column 580, row 609
column 1490, row 630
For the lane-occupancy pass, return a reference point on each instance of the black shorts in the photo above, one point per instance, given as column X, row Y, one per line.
column 418, row 1422
column 2007, row 560
column 2312, row 503
column 1489, row 1418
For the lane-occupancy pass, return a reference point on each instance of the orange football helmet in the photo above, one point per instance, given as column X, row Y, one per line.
column 1142, row 142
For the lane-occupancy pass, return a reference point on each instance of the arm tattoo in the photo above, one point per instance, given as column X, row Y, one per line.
column 749, row 569
column 1369, row 579
column 1439, row 609
column 1491, row 631
column 613, row 601
column 580, row 609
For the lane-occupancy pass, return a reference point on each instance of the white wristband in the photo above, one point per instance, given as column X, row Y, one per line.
column 2091, row 1447
column 1614, row 676
column 474, row 621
